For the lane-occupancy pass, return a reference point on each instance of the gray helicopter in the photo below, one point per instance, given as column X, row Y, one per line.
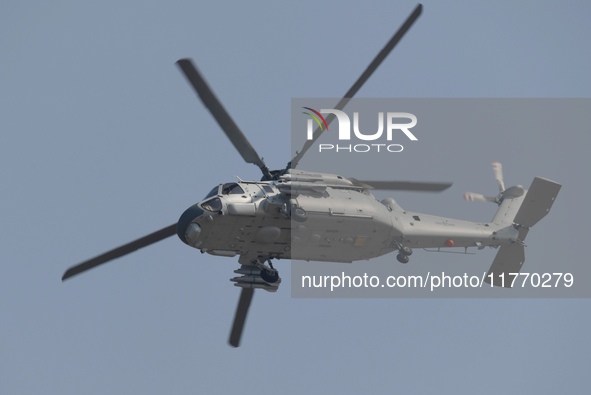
column 313, row 216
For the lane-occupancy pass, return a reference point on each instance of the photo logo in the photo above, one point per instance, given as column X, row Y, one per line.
column 390, row 124
column 316, row 116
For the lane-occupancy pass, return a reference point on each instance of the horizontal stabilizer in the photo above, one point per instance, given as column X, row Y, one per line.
column 509, row 259
column 538, row 201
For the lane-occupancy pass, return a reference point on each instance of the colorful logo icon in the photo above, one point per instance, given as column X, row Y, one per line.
column 316, row 116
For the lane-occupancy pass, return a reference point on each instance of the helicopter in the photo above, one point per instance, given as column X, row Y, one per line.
column 328, row 217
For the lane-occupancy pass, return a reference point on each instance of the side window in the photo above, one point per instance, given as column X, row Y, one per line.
column 268, row 189
column 232, row 189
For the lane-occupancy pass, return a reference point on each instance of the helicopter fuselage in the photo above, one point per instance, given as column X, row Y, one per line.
column 320, row 217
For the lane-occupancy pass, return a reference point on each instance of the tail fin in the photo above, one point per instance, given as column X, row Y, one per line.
column 524, row 211
column 507, row 264
column 508, row 210
column 529, row 208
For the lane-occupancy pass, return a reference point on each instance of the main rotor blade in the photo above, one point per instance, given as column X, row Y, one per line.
column 402, row 185
column 220, row 114
column 240, row 316
column 120, row 251
column 362, row 79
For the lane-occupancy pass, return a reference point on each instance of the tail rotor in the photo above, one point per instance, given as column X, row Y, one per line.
column 498, row 172
column 509, row 193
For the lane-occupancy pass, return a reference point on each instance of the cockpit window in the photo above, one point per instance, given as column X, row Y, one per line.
column 214, row 204
column 213, row 192
column 232, row 189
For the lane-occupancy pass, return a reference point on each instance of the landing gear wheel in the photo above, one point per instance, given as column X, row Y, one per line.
column 405, row 251
column 270, row 276
column 402, row 258
column 299, row 214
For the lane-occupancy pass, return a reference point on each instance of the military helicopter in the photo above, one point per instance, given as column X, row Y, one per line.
column 329, row 217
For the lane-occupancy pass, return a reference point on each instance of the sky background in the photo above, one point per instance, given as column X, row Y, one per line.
column 103, row 141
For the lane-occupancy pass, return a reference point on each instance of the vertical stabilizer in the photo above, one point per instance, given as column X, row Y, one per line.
column 524, row 211
column 506, row 265
column 507, row 211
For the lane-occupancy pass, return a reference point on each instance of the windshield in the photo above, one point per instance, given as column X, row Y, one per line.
column 211, row 193
column 214, row 204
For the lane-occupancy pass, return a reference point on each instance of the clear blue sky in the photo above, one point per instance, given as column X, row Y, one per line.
column 103, row 141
